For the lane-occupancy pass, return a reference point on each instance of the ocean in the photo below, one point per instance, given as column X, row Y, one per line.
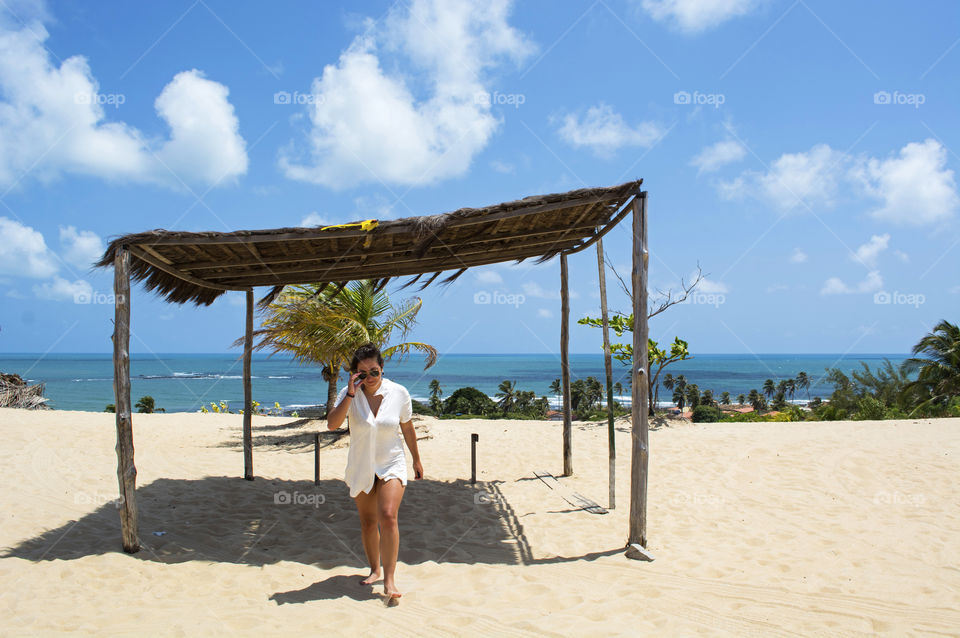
column 184, row 382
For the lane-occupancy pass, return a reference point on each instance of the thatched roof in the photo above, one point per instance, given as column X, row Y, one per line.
column 199, row 267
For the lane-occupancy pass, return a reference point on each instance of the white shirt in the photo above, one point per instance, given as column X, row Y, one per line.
column 376, row 442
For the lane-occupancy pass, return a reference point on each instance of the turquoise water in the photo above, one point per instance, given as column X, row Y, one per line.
column 184, row 382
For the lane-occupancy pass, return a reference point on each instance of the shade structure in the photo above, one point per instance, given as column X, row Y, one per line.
column 199, row 267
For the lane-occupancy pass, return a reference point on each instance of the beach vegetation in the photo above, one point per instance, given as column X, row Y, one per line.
column 323, row 325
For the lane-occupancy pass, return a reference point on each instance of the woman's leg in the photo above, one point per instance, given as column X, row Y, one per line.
column 367, row 508
column 389, row 494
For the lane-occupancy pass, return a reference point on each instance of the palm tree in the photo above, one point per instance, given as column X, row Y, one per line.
column 693, row 395
column 741, row 400
column 756, row 399
column 435, row 393
column 508, row 395
column 768, row 388
column 680, row 382
column 803, row 383
column 557, row 390
column 668, row 381
column 318, row 327
column 791, row 387
column 725, row 398
column 707, row 398
column 938, row 379
column 145, row 405
column 678, row 398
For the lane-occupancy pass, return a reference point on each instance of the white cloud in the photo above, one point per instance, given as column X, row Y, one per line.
column 777, row 288
column 543, row 313
column 502, row 167
column 54, row 121
column 902, row 256
column 61, row 289
column 489, row 277
column 604, row 131
column 367, row 124
column 694, row 16
column 798, row 256
column 713, row 157
column 793, row 178
column 533, row 289
column 915, row 187
column 23, row 251
column 709, row 286
column 314, row 219
column 868, row 252
column 80, row 248
column 836, row 286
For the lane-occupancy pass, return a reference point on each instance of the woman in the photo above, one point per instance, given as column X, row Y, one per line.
column 379, row 410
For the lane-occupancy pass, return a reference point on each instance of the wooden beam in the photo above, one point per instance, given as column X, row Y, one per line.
column 565, row 366
column 639, row 437
column 486, row 239
column 248, row 392
column 608, row 368
column 391, row 261
column 126, row 469
column 606, row 229
column 355, row 272
column 170, row 270
column 257, row 237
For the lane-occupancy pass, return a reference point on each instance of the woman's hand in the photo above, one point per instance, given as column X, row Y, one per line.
column 417, row 469
column 354, row 382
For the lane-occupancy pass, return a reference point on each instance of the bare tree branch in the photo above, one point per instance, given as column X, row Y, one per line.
column 665, row 299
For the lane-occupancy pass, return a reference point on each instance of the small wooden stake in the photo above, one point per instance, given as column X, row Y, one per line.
column 316, row 459
column 473, row 457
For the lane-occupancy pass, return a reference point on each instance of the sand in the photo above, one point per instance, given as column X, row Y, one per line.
column 759, row 529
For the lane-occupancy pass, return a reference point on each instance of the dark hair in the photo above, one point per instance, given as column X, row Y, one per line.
column 366, row 351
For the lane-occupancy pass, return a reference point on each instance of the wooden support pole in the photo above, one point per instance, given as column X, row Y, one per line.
column 473, row 457
column 126, row 470
column 248, row 392
column 639, row 441
column 608, row 367
column 565, row 366
column 316, row 459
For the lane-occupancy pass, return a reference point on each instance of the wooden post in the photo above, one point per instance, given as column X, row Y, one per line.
column 608, row 366
column 126, row 470
column 565, row 366
column 473, row 457
column 248, row 392
column 316, row 459
column 639, row 452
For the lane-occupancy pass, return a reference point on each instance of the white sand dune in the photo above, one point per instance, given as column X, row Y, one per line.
column 767, row 529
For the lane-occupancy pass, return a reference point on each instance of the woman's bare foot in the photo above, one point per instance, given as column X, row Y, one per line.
column 390, row 590
column 371, row 579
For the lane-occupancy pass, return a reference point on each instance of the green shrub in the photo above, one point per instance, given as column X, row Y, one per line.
column 869, row 409
column 706, row 414
column 829, row 412
column 469, row 401
column 894, row 413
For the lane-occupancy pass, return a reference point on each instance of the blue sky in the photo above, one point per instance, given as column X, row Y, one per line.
column 803, row 153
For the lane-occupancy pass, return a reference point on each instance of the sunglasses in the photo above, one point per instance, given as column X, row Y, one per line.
column 372, row 373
